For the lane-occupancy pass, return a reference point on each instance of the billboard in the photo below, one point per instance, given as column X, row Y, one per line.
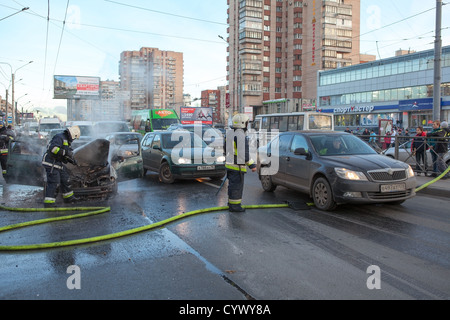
column 75, row 87
column 193, row 115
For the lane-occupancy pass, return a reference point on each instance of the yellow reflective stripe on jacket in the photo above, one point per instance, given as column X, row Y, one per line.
column 55, row 150
column 236, row 167
column 4, row 151
column 66, row 143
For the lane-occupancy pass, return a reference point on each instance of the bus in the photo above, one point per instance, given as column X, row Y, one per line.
column 150, row 120
column 270, row 125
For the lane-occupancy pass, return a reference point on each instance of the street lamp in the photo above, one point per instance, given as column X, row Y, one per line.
column 13, row 74
column 17, row 101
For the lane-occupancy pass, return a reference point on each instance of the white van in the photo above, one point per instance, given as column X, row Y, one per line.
column 47, row 124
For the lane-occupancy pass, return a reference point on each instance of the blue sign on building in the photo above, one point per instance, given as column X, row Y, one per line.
column 416, row 104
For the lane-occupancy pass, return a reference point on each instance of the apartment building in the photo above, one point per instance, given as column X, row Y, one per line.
column 211, row 99
column 154, row 78
column 277, row 47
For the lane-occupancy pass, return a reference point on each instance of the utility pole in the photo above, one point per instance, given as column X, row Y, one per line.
column 437, row 63
column 13, row 111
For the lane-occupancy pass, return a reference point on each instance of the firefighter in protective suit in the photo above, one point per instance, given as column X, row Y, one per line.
column 237, row 160
column 59, row 152
column 5, row 137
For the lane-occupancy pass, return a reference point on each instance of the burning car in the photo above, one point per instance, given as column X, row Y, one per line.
column 126, row 155
column 93, row 177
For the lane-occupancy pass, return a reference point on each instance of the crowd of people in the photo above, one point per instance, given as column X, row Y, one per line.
column 436, row 141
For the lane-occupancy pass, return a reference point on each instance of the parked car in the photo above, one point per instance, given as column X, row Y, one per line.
column 207, row 132
column 125, row 154
column 309, row 162
column 94, row 177
column 180, row 155
column 405, row 155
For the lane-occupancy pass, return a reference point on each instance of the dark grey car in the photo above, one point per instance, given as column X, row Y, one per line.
column 308, row 161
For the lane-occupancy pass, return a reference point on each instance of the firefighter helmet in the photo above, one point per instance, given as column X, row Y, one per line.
column 240, row 121
column 74, row 132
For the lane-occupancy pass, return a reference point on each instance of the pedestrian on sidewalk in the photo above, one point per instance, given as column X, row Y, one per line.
column 418, row 149
column 438, row 148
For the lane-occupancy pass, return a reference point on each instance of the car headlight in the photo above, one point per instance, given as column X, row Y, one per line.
column 184, row 161
column 409, row 172
column 220, row 159
column 126, row 153
column 350, row 174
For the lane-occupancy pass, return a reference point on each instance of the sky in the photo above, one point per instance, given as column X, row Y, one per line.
column 95, row 32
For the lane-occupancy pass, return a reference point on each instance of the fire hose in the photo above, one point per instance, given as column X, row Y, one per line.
column 95, row 211
column 91, row 211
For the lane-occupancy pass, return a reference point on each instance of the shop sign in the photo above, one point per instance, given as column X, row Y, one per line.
column 354, row 109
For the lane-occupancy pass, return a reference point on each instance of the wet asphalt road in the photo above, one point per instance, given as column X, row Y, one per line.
column 261, row 254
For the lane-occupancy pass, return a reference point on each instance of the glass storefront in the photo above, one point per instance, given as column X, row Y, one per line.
column 420, row 119
column 362, row 120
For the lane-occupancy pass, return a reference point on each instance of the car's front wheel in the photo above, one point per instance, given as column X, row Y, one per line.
column 323, row 195
column 165, row 174
column 267, row 184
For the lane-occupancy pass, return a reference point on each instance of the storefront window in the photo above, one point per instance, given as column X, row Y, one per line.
column 401, row 94
column 408, row 93
column 394, row 94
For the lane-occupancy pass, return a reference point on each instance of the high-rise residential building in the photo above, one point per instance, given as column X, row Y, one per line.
column 154, row 79
column 211, row 99
column 111, row 107
column 277, row 47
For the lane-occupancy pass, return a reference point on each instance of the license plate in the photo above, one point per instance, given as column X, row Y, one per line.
column 393, row 187
column 206, row 167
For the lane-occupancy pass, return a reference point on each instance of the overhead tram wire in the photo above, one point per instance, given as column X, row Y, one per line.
column 60, row 39
column 26, row 8
column 130, row 30
column 124, row 30
column 166, row 13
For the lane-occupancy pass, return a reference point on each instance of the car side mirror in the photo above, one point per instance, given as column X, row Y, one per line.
column 302, row 152
column 156, row 147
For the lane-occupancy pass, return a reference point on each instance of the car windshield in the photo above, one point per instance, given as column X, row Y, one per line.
column 182, row 140
column 332, row 145
column 126, row 139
